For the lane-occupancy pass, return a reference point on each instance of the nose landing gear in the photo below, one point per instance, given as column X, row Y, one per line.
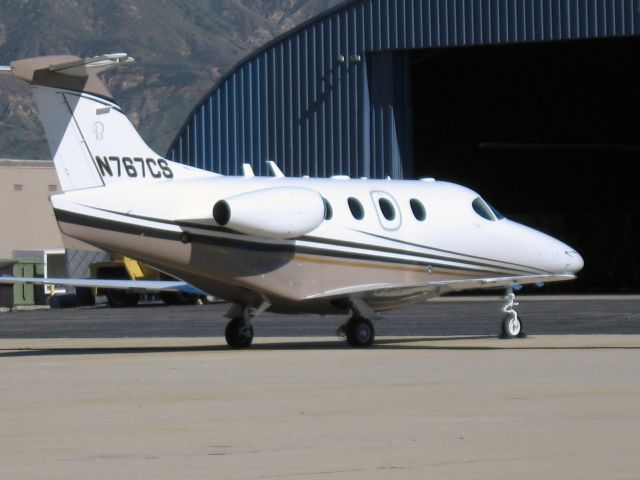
column 511, row 322
column 239, row 333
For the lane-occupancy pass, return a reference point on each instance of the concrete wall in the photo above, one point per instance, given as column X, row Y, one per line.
column 26, row 216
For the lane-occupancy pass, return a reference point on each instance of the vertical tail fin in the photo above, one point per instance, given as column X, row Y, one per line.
column 92, row 142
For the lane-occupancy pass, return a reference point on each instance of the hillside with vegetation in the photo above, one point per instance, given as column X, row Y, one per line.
column 181, row 49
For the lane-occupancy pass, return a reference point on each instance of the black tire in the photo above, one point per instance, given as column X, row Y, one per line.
column 177, row 298
column 84, row 297
column 238, row 334
column 512, row 326
column 121, row 298
column 360, row 332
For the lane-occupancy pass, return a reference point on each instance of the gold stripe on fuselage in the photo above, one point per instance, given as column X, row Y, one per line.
column 378, row 265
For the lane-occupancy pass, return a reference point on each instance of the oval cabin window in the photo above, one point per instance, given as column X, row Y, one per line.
column 357, row 210
column 328, row 211
column 386, row 207
column 418, row 209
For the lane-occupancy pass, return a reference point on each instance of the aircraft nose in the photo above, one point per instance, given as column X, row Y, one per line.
column 547, row 253
column 574, row 260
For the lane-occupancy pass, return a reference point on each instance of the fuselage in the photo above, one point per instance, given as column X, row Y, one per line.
column 376, row 234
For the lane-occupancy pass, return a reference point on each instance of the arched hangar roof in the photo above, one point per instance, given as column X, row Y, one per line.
column 332, row 96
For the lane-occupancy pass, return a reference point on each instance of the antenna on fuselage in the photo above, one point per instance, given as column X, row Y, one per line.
column 275, row 171
column 247, row 170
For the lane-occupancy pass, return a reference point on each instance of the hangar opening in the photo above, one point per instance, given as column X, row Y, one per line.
column 548, row 133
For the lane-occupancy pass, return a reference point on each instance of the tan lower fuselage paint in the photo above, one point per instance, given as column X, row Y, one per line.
column 289, row 280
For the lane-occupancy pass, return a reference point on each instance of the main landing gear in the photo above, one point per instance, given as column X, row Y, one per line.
column 359, row 330
column 511, row 322
column 239, row 330
column 239, row 333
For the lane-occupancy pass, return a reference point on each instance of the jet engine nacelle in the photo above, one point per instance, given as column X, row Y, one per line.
column 281, row 212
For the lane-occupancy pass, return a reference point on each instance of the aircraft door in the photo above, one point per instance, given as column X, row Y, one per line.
column 389, row 213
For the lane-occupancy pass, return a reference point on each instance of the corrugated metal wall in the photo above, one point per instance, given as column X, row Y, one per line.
column 333, row 96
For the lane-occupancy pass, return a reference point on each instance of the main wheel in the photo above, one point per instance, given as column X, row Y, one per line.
column 121, row 298
column 360, row 332
column 177, row 298
column 239, row 334
column 511, row 325
column 85, row 297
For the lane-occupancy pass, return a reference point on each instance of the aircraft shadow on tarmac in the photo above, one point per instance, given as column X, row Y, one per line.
column 414, row 343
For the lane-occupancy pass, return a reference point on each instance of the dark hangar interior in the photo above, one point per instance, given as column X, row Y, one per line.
column 549, row 133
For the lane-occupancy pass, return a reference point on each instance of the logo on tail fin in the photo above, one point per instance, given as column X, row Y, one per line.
column 98, row 130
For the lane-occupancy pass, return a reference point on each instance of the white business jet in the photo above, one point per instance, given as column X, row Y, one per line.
column 289, row 245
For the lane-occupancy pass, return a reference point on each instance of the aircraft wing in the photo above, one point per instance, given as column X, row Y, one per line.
column 498, row 282
column 136, row 285
column 435, row 289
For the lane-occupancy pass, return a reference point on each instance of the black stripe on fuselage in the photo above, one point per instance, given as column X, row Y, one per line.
column 112, row 225
column 240, row 243
column 498, row 263
column 485, row 262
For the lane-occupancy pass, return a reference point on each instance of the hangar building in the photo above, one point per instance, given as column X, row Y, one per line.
column 531, row 102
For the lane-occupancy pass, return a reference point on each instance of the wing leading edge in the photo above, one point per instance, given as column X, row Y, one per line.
column 136, row 285
column 434, row 289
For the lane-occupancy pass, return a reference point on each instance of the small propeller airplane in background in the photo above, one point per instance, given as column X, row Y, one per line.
column 290, row 245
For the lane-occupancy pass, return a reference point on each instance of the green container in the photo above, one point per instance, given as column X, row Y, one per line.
column 6, row 291
column 24, row 294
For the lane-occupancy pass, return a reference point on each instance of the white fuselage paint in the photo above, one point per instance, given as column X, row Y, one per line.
column 452, row 238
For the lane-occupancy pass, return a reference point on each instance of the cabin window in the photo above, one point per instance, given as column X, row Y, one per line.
column 389, row 214
column 328, row 211
column 418, row 209
column 387, row 209
column 482, row 209
column 357, row 210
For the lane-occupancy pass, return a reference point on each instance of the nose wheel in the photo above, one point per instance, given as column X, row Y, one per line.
column 511, row 326
column 511, row 322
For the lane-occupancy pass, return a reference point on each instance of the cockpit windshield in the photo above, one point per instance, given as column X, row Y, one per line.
column 498, row 215
column 485, row 210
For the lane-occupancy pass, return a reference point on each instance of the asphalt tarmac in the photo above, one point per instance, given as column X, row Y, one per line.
column 580, row 315
column 154, row 393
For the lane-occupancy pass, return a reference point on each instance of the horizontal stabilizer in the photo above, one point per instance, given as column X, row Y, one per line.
column 98, row 64
column 38, row 70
